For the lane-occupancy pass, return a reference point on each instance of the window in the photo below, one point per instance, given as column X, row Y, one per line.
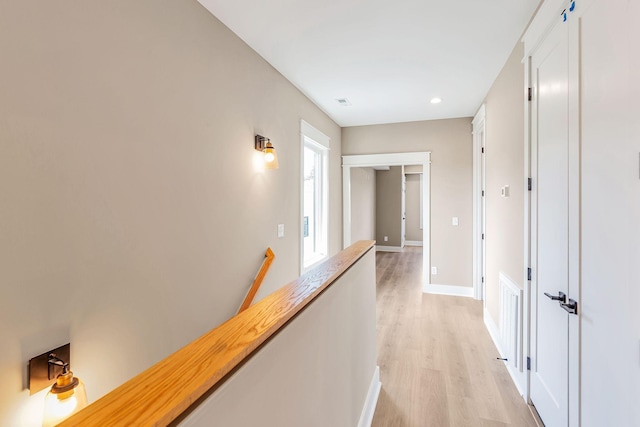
column 315, row 148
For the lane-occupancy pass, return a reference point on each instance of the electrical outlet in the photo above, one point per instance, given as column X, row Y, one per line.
column 386, row 238
column 434, row 270
column 280, row 230
column 454, row 220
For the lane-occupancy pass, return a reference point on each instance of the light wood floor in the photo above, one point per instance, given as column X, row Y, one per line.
column 437, row 361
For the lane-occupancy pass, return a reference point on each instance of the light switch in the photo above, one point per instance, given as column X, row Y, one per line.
column 454, row 220
column 434, row 270
column 280, row 230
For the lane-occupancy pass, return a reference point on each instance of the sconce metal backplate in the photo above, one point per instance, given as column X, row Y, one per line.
column 260, row 142
column 42, row 374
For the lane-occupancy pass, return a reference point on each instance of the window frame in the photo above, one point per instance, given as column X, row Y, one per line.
column 318, row 142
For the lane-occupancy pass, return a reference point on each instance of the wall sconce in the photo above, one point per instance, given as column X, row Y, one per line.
column 67, row 395
column 268, row 150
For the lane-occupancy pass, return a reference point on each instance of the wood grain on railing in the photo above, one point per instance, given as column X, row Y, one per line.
column 269, row 256
column 160, row 394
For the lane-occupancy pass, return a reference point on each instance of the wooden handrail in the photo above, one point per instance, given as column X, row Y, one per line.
column 269, row 256
column 163, row 392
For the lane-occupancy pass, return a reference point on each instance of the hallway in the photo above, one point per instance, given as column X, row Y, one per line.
column 437, row 361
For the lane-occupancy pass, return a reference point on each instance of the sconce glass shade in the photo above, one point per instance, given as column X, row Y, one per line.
column 66, row 397
column 270, row 156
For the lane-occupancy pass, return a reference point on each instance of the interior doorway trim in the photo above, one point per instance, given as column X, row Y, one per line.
column 390, row 159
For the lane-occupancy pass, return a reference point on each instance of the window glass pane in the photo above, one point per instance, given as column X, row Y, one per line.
column 309, row 203
column 314, row 196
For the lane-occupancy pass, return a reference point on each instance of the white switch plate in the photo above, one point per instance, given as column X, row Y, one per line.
column 454, row 220
column 280, row 230
column 434, row 270
column 386, row 238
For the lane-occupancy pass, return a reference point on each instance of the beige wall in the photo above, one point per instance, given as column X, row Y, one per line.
column 128, row 188
column 505, row 166
column 412, row 208
column 450, row 144
column 363, row 204
column 389, row 206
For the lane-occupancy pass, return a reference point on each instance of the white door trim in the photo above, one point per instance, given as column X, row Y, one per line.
column 390, row 159
column 526, row 303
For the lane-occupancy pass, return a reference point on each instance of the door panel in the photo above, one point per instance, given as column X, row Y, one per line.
column 610, row 383
column 550, row 228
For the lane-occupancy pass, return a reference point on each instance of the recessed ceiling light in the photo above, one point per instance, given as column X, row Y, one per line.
column 344, row 102
column 436, row 100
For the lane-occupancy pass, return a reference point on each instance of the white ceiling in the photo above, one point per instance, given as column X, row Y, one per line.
column 387, row 57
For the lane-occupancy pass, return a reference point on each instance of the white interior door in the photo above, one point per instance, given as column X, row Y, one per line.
column 550, row 228
column 479, row 223
column 403, row 231
column 483, row 221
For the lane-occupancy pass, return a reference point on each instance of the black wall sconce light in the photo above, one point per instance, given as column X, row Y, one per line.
column 67, row 394
column 268, row 150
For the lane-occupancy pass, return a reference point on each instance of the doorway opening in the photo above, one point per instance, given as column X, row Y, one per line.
column 383, row 160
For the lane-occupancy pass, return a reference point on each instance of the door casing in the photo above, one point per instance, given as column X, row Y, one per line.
column 391, row 159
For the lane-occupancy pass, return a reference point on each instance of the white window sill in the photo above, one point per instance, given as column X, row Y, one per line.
column 313, row 262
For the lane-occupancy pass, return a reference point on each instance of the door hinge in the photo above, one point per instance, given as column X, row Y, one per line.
column 529, row 274
column 482, row 279
column 482, row 193
column 529, row 183
column 529, row 94
column 482, row 236
column 528, row 363
column 482, row 150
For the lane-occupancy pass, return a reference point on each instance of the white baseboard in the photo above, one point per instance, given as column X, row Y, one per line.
column 366, row 417
column 413, row 242
column 388, row 248
column 494, row 332
column 458, row 291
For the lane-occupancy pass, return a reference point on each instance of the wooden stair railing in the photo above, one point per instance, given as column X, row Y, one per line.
column 269, row 256
column 163, row 392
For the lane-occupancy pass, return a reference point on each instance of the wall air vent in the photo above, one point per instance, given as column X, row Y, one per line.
column 344, row 102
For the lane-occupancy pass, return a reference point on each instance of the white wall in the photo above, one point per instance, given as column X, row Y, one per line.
column 132, row 218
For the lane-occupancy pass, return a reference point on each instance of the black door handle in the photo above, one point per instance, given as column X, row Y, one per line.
column 571, row 307
column 561, row 297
